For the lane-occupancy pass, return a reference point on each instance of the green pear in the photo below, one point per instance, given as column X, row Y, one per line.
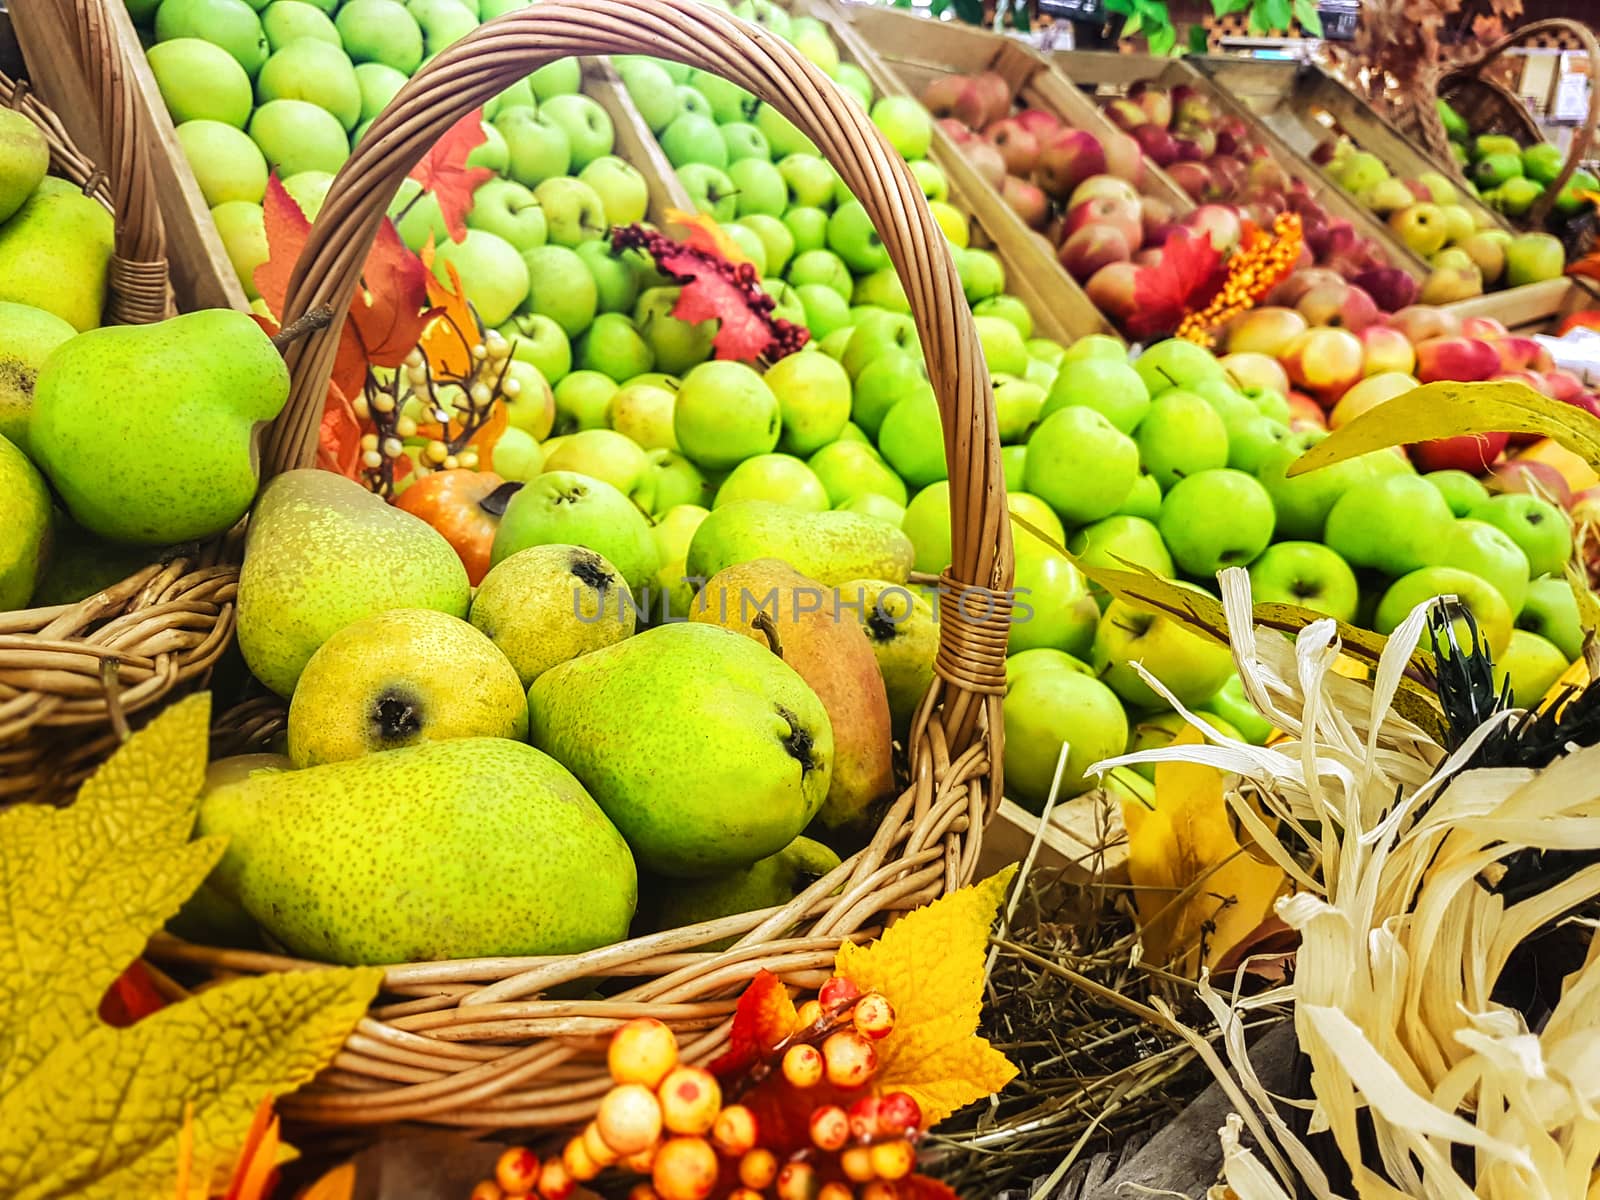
column 81, row 564
column 468, row 848
column 148, row 431
column 829, row 547
column 705, row 748
column 566, row 508
column 546, row 604
column 321, row 553
column 25, row 516
column 27, row 336
column 904, row 633
column 402, row 678
column 24, row 159
column 765, row 883
column 55, row 253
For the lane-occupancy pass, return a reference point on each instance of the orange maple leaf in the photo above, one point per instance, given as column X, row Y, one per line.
column 339, row 435
column 388, row 313
column 453, row 328
column 444, row 172
column 764, row 1017
column 930, row 966
column 705, row 234
column 287, row 229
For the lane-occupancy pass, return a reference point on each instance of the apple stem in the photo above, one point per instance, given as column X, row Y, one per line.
column 766, row 625
column 317, row 318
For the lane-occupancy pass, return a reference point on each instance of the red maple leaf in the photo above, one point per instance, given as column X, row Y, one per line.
column 444, row 172
column 387, row 314
column 339, row 436
column 287, row 230
column 131, row 996
column 920, row 1187
column 1189, row 274
column 764, row 1017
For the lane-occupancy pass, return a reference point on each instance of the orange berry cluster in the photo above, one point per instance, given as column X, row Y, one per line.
column 1258, row 264
column 667, row 1121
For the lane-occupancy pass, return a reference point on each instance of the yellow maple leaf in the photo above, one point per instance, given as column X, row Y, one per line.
column 930, row 967
column 1182, row 840
column 705, row 234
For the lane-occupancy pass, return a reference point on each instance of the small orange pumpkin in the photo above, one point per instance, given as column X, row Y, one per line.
column 465, row 507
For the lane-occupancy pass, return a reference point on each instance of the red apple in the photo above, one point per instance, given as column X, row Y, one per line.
column 1229, row 175
column 1531, row 478
column 1196, row 144
column 955, row 130
column 1103, row 210
column 1563, row 385
column 1266, row 330
column 1420, row 322
column 1338, row 305
column 995, row 94
column 1092, row 247
column 1217, row 222
column 1486, row 328
column 1155, row 100
column 1067, row 157
column 986, row 161
column 1324, row 362
column 1250, row 368
column 1368, row 394
column 1157, row 144
column 1103, row 185
column 1148, row 257
column 1390, row 287
column 1462, row 359
column 1038, row 122
column 1194, row 178
column 1305, row 413
column 1474, row 452
column 1124, row 159
column 1387, row 350
column 1516, row 353
column 1111, row 290
column 1017, row 146
column 1126, row 115
column 1528, row 379
column 958, row 97
column 1154, row 212
column 1288, row 292
column 1027, row 201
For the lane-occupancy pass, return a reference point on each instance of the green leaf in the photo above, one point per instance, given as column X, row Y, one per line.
column 970, row 11
column 1131, row 27
column 1440, row 410
column 85, row 886
column 102, row 1114
column 1163, row 39
column 1223, row 8
column 1198, row 42
column 1305, row 12
column 1021, row 18
column 1277, row 15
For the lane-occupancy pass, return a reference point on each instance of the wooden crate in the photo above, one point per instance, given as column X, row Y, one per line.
column 201, row 274
column 635, row 143
column 1110, row 74
column 1534, row 307
column 919, row 51
column 1060, row 308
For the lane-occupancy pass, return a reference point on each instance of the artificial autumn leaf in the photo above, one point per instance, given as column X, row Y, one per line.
column 131, row 997
column 91, row 1110
column 337, row 1184
column 255, row 1172
column 764, row 1017
column 930, row 966
column 920, row 1187
column 705, row 234
column 287, row 230
column 388, row 312
column 339, row 435
column 1189, row 274
column 444, row 172
column 453, row 327
column 1185, row 840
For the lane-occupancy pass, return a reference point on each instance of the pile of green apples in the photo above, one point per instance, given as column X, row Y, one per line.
column 1509, row 176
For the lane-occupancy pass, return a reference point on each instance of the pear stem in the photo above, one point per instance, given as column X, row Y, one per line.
column 317, row 318
column 770, row 629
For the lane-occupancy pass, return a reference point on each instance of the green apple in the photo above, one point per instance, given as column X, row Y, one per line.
column 786, row 303
column 560, row 287
column 1461, row 491
column 612, row 346
column 822, row 267
column 1488, row 552
column 624, row 194
column 729, row 102
column 1308, row 574
column 1232, row 706
column 1017, row 406
column 588, row 127
column 1123, row 543
column 889, row 379
column 201, row 81
column 752, row 246
column 536, row 150
column 671, row 482
column 1053, row 608
column 1081, row 465
column 1481, row 598
column 826, row 312
column 678, row 345
column 809, row 180
column 296, row 136
column 1144, row 499
column 870, row 504
column 285, row 21
column 777, row 479
column 573, row 211
column 776, row 241
column 1190, row 665
column 808, row 226
column 710, row 189
column 694, row 139
column 416, row 215
column 443, row 22
column 1034, row 524
column 1533, row 666
column 1533, row 258
column 1215, row 519
column 725, row 414
column 227, row 164
column 693, row 103
column 911, row 438
column 1010, row 309
column 508, row 210
column 1046, row 709
column 642, row 410
column 492, row 273
column 761, row 188
column 927, row 524
column 852, row 469
column 309, row 189
column 1099, row 345
column 1551, row 611
column 516, row 457
column 1392, row 523
column 601, row 454
column 813, row 395
column 1175, row 363
column 1252, row 439
column 982, row 275
column 1002, row 345
column 380, row 31
column 242, row 227
column 229, row 24
column 537, row 339
column 518, row 95
column 652, row 92
column 1109, row 386
column 1181, row 435
column 1304, row 501
column 560, row 78
column 745, row 141
column 616, row 284
column 835, row 343
column 315, row 72
column 818, row 47
column 585, row 400
column 906, row 124
column 854, row 80
column 852, row 237
column 379, row 84
column 931, row 180
column 529, row 399
column 1540, row 528
column 781, row 133
column 877, row 332
column 881, row 289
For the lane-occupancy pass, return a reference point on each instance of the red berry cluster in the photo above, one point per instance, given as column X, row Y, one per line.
column 668, row 1122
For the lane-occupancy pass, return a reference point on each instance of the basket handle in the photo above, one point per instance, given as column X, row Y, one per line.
column 975, row 603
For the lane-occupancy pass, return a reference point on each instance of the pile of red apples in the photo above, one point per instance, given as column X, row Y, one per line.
column 1339, row 371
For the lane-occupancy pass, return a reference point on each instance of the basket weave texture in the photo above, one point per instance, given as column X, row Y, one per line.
column 1488, row 106
column 73, row 676
column 481, row 1043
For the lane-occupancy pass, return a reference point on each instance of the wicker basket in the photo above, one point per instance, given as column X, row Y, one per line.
column 479, row 1043
column 1490, row 107
column 72, row 676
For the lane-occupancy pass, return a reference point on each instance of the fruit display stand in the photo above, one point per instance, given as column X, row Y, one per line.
column 73, row 675
column 1061, row 309
column 634, row 143
column 482, row 1044
column 1108, row 74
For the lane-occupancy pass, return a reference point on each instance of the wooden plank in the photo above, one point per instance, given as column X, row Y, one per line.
column 634, row 141
column 1100, row 68
column 1533, row 304
column 1085, row 839
column 202, row 275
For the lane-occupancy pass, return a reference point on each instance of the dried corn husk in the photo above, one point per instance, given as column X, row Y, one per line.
column 1403, row 938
